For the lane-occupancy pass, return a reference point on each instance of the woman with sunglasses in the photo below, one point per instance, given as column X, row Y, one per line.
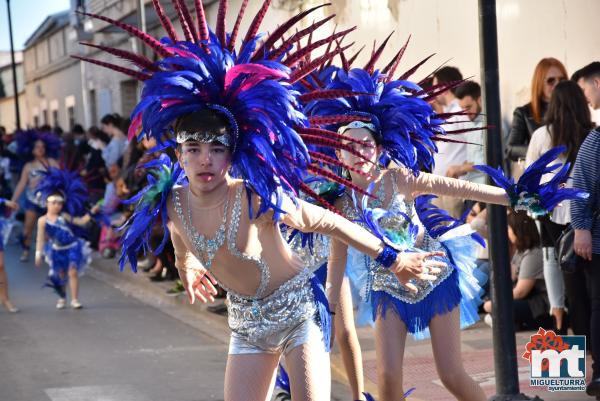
column 567, row 123
column 526, row 119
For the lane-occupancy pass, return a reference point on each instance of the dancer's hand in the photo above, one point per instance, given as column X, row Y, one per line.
column 11, row 205
column 582, row 244
column 38, row 261
column 198, row 284
column 411, row 265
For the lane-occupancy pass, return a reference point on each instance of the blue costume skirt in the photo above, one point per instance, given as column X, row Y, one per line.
column 456, row 286
column 78, row 255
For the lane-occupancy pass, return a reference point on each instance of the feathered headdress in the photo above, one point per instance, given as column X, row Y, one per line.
column 252, row 87
column 151, row 206
column 67, row 183
column 396, row 110
column 26, row 141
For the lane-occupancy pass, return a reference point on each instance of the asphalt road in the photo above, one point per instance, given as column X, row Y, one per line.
column 114, row 349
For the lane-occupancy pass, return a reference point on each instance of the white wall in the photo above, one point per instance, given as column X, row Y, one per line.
column 528, row 30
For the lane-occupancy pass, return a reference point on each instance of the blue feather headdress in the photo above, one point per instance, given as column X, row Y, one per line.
column 398, row 109
column 26, row 141
column 528, row 193
column 150, row 208
column 252, row 87
column 69, row 184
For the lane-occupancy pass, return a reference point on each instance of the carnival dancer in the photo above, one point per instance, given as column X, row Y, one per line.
column 5, row 209
column 396, row 123
column 236, row 111
column 67, row 255
column 40, row 151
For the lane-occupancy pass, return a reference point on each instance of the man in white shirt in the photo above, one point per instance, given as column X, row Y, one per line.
column 469, row 99
column 450, row 153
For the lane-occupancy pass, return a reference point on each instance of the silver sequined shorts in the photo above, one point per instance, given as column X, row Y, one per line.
column 277, row 323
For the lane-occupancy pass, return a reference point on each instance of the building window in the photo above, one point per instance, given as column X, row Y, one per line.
column 36, row 121
column 55, row 118
column 93, row 107
column 45, row 119
column 71, row 117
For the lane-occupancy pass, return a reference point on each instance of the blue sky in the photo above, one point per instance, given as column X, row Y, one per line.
column 26, row 15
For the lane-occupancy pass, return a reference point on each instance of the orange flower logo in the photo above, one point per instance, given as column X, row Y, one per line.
column 544, row 340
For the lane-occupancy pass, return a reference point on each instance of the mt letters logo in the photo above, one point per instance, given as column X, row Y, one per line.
column 557, row 362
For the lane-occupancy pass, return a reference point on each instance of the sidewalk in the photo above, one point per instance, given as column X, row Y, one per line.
column 419, row 372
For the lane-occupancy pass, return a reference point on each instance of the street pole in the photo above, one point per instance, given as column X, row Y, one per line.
column 14, row 69
column 503, row 329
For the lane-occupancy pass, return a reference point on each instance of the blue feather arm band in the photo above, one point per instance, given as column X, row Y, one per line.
column 151, row 207
column 529, row 193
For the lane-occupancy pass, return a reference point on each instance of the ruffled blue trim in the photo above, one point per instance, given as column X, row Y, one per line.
column 461, row 288
column 79, row 256
column 442, row 299
column 324, row 316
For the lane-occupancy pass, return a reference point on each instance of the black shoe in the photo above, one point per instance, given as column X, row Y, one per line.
column 220, row 309
column 593, row 388
column 160, row 276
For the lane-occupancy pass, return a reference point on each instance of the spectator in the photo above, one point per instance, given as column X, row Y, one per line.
column 477, row 219
column 526, row 119
column 567, row 123
column 113, row 218
column 584, row 214
column 449, row 152
column 530, row 301
column 112, row 124
column 469, row 100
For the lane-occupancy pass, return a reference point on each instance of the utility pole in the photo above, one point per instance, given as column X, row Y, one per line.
column 14, row 69
column 503, row 329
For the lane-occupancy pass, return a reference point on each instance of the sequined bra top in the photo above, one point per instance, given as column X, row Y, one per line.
column 238, row 245
column 396, row 204
column 59, row 233
column 205, row 248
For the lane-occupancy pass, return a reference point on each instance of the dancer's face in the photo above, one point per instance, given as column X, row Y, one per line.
column 54, row 207
column 369, row 151
column 205, row 164
column 39, row 149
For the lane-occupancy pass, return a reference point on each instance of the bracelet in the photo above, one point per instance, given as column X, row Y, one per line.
column 387, row 257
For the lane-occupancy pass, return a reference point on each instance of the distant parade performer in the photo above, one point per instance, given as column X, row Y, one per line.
column 64, row 194
column 5, row 209
column 40, row 150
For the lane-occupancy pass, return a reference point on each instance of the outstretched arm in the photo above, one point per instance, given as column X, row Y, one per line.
column 21, row 184
column 78, row 221
column 307, row 217
column 433, row 184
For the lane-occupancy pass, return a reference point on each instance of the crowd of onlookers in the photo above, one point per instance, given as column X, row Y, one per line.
column 109, row 164
column 558, row 114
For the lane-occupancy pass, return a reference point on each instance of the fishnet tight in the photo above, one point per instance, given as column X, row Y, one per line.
column 390, row 339
column 347, row 339
column 252, row 376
